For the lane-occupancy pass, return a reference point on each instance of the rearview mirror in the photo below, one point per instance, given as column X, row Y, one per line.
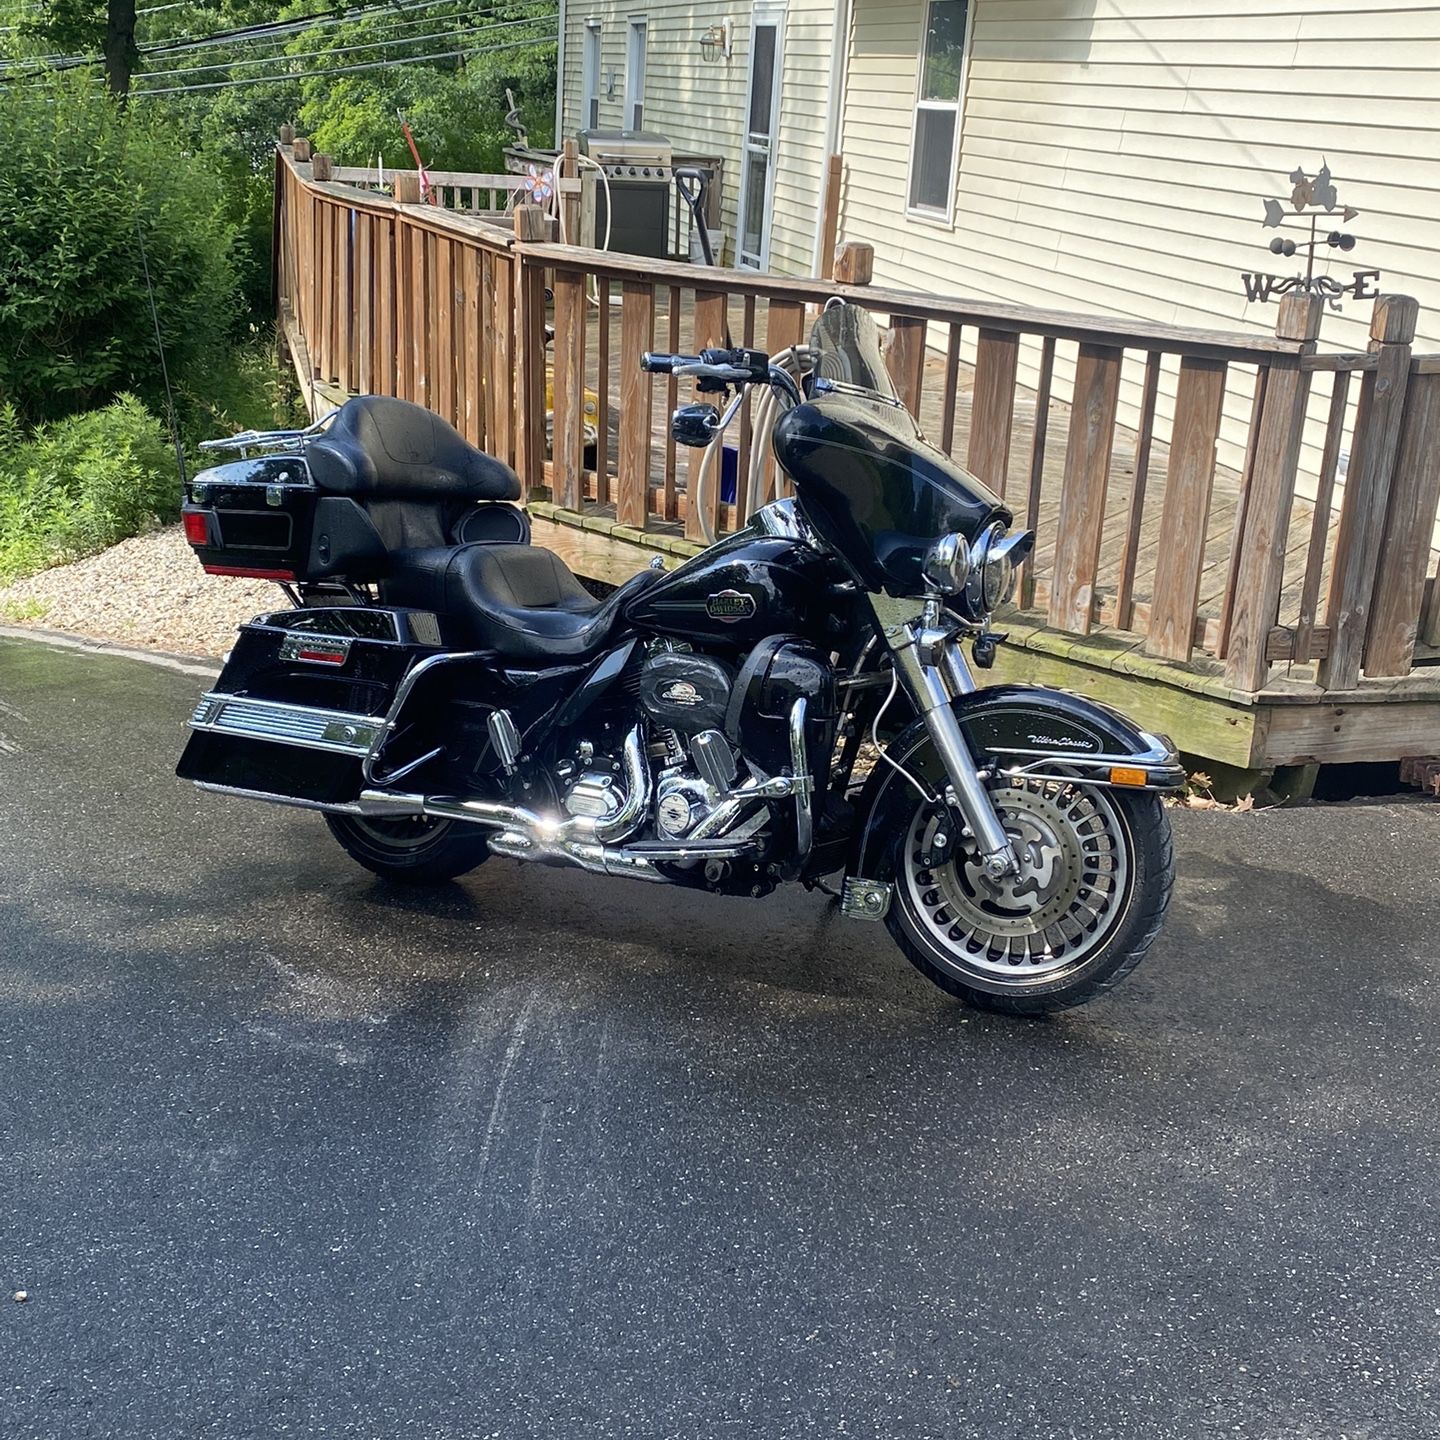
column 695, row 425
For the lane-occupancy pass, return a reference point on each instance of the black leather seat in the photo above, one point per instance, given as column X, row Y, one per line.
column 417, row 479
column 519, row 600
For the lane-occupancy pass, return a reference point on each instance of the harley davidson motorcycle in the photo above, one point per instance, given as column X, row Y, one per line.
column 793, row 704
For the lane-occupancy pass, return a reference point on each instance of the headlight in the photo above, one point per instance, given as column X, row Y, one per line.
column 993, row 558
column 946, row 566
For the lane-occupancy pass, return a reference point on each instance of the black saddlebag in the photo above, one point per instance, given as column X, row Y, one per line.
column 302, row 700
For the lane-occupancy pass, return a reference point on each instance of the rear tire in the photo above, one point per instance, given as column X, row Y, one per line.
column 1098, row 867
column 413, row 850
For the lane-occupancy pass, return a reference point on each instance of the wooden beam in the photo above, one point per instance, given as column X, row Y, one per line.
column 1260, row 569
column 1184, row 522
column 569, row 387
column 854, row 263
column 1404, row 554
column 992, row 407
column 1080, row 528
column 1135, row 519
column 637, row 395
column 1367, row 494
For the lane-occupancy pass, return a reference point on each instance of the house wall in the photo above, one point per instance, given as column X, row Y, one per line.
column 1114, row 153
column 700, row 104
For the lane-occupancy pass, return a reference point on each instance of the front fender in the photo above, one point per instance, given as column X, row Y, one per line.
column 1015, row 730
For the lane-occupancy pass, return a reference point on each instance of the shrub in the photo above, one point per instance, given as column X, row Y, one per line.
column 73, row 487
column 82, row 180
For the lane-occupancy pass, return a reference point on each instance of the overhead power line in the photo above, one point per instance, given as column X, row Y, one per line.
column 280, row 30
column 393, row 40
column 344, row 69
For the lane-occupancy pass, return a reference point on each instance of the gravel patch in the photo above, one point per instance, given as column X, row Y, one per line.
column 149, row 592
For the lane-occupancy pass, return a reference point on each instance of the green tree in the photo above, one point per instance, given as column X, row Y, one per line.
column 84, row 183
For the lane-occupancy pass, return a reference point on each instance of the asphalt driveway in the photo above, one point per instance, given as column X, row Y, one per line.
column 286, row 1151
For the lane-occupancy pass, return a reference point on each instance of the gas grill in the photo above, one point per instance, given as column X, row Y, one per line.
column 638, row 166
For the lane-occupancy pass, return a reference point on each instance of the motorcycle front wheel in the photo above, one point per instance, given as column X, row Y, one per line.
column 414, row 850
column 1096, row 870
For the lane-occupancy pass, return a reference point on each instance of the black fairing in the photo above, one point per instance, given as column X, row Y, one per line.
column 743, row 589
column 875, row 489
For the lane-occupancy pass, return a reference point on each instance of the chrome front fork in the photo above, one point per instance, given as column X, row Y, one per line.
column 934, row 671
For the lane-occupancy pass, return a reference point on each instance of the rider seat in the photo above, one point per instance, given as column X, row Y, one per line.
column 520, row 601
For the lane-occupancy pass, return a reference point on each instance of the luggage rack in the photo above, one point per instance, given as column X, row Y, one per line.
column 284, row 441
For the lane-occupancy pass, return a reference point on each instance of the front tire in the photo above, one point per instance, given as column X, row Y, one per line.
column 413, row 850
column 1097, row 867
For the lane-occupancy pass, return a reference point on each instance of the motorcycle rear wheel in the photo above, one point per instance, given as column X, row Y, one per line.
column 1097, row 867
column 413, row 850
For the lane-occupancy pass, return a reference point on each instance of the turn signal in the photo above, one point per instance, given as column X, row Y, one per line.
column 1125, row 775
column 197, row 527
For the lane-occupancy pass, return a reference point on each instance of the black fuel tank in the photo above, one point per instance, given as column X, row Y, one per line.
column 741, row 590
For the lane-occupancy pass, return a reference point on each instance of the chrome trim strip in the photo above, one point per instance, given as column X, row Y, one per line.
column 336, row 731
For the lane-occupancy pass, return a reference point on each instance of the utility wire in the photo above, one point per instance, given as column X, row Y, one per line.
column 346, row 69
column 331, row 51
column 268, row 31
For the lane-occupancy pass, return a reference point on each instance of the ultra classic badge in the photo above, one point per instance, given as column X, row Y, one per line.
column 730, row 605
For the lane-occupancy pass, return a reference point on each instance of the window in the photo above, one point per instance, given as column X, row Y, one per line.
column 634, row 118
column 937, row 107
column 757, row 149
column 590, row 78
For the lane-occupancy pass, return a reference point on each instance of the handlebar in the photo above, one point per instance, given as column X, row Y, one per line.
column 715, row 369
column 729, row 367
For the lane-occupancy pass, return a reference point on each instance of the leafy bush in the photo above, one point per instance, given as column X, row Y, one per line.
column 82, row 181
column 73, row 487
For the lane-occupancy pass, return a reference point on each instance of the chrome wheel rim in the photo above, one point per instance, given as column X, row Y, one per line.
column 1072, row 890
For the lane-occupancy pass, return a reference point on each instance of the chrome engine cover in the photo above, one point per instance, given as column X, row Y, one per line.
column 682, row 801
column 596, row 795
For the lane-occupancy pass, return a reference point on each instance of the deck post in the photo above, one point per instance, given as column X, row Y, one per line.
column 1397, row 602
column 1364, row 508
column 407, row 187
column 302, row 150
column 321, row 166
column 1260, row 570
column 854, row 263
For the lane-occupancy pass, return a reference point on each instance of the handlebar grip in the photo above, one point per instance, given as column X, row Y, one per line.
column 658, row 364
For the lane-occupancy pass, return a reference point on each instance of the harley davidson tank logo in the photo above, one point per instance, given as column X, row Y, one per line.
column 681, row 692
column 730, row 605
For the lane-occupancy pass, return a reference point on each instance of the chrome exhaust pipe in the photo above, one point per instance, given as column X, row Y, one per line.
column 543, row 829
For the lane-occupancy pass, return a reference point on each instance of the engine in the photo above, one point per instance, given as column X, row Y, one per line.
column 712, row 724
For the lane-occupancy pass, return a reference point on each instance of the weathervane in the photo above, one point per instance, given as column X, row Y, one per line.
column 1311, row 200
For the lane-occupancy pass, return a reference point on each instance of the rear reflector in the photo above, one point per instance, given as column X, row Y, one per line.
column 1124, row 775
column 248, row 572
column 322, row 657
column 197, row 526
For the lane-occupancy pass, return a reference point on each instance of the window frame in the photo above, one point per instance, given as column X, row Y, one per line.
column 635, row 95
column 771, row 14
column 945, row 218
column 592, row 64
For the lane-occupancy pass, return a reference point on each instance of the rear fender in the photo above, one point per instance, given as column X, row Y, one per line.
column 1017, row 731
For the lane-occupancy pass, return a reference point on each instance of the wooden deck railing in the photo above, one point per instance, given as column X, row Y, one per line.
column 1138, row 529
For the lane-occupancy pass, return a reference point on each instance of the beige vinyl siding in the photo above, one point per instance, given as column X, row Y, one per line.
column 700, row 104
column 1114, row 153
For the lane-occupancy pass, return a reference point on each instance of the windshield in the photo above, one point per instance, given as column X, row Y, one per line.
column 850, row 354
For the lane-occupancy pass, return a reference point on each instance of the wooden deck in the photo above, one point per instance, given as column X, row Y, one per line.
column 1257, row 627
column 1120, row 497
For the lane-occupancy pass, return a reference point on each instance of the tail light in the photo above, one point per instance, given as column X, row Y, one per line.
column 197, row 526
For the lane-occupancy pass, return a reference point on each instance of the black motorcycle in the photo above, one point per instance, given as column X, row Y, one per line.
column 794, row 704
